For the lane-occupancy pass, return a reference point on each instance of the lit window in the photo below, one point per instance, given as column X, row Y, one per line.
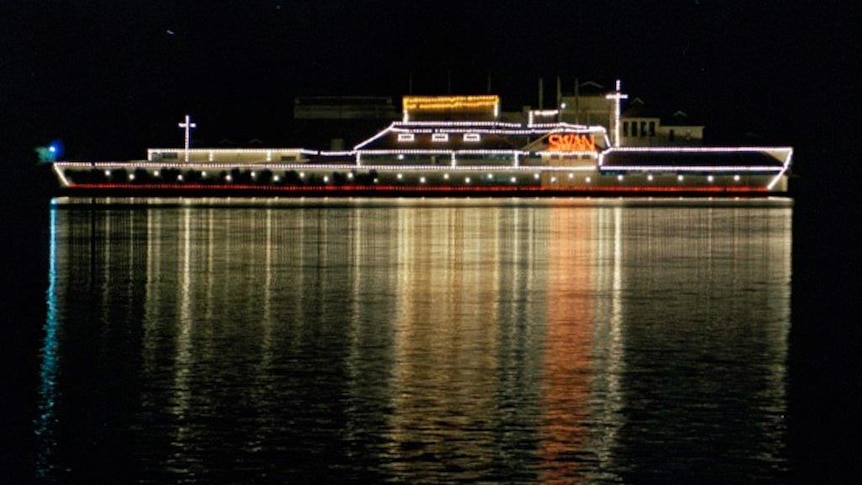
column 439, row 137
column 406, row 137
column 471, row 137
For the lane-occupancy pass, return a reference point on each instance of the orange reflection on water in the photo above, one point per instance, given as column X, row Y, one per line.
column 567, row 366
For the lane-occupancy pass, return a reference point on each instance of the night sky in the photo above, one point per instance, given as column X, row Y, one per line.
column 111, row 78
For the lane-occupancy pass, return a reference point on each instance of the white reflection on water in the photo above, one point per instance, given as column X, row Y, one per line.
column 422, row 340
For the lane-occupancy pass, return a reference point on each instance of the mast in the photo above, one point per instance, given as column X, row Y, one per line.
column 541, row 94
column 616, row 96
column 577, row 100
column 188, row 125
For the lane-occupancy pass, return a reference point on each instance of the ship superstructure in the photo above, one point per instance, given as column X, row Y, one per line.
column 451, row 145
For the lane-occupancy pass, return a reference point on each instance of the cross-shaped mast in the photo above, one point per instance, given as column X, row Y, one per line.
column 188, row 125
column 617, row 96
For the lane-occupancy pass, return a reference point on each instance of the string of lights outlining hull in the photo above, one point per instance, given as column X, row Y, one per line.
column 416, row 156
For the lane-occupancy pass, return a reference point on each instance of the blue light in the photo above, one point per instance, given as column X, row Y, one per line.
column 49, row 153
column 56, row 148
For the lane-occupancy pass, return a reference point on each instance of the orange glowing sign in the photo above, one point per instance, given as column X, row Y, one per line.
column 570, row 142
column 439, row 103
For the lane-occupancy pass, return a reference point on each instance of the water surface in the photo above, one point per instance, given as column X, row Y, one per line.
column 416, row 341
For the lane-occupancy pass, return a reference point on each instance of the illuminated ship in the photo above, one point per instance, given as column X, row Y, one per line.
column 456, row 145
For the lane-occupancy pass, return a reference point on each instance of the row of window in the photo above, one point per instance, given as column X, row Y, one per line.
column 638, row 128
column 441, row 137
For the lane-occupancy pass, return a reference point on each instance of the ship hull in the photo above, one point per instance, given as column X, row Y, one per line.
column 278, row 179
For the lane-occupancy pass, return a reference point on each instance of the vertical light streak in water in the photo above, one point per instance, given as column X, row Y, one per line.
column 352, row 426
column 356, row 234
column 46, row 440
column 106, row 265
column 774, row 425
column 267, row 359
column 151, row 305
column 267, row 290
column 184, row 355
column 267, row 282
column 611, row 405
column 210, row 269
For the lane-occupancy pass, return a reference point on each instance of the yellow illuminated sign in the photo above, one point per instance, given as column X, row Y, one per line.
column 443, row 103
column 570, row 142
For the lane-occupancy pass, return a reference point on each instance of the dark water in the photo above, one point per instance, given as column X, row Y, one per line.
column 434, row 341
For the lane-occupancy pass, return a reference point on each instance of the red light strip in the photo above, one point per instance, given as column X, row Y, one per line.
column 419, row 188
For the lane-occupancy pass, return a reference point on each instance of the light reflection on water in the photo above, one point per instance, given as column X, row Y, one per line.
column 416, row 340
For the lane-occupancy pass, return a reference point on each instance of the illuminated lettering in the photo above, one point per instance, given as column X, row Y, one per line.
column 570, row 142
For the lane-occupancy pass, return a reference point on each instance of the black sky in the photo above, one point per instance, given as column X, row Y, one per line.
column 111, row 78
